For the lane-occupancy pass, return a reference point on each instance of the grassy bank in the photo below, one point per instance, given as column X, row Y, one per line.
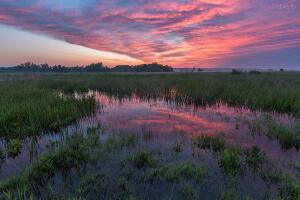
column 269, row 91
column 28, row 110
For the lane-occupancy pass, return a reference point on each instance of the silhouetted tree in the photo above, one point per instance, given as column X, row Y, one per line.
column 94, row 67
column 234, row 71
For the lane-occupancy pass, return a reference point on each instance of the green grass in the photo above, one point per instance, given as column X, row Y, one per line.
column 71, row 155
column 288, row 137
column 27, row 110
column 230, row 161
column 2, row 156
column 189, row 192
column 176, row 172
column 14, row 147
column 278, row 92
column 78, row 151
column 254, row 157
column 31, row 107
column 142, row 159
column 177, row 147
column 276, row 131
column 186, row 169
column 230, row 157
column 268, row 91
column 289, row 188
column 120, row 142
column 230, row 194
column 210, row 142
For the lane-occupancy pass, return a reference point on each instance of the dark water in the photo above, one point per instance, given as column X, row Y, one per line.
column 167, row 122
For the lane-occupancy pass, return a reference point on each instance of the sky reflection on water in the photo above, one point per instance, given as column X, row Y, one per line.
column 133, row 114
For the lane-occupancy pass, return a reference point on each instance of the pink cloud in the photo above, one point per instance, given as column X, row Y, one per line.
column 195, row 33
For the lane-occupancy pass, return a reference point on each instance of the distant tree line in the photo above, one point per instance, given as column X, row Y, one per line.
column 94, row 67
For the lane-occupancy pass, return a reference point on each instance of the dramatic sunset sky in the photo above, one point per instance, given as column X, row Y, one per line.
column 180, row 33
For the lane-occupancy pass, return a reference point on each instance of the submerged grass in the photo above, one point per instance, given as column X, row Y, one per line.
column 186, row 169
column 145, row 167
column 14, row 147
column 142, row 159
column 210, row 142
column 77, row 153
column 174, row 173
column 254, row 157
column 230, row 161
column 177, row 147
column 230, row 157
column 74, row 154
column 288, row 137
column 288, row 186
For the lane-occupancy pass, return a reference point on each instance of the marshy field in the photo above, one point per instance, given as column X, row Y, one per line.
column 150, row 136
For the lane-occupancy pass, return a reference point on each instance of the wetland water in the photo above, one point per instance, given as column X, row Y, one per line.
column 163, row 117
column 167, row 122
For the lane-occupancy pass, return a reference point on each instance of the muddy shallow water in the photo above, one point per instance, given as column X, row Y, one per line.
column 136, row 115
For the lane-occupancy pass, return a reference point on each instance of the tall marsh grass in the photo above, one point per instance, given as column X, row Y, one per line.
column 27, row 110
column 268, row 91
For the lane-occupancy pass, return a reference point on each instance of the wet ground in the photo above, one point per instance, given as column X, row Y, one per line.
column 167, row 123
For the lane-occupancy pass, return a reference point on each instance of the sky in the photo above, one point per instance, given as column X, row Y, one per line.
column 180, row 33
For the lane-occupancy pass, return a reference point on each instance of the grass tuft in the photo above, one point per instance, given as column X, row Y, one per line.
column 142, row 159
column 14, row 147
column 209, row 142
column 186, row 169
column 230, row 161
column 177, row 147
column 254, row 157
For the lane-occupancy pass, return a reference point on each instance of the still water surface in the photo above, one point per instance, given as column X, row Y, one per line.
column 137, row 115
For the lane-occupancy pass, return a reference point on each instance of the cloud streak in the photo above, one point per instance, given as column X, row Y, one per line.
column 179, row 33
